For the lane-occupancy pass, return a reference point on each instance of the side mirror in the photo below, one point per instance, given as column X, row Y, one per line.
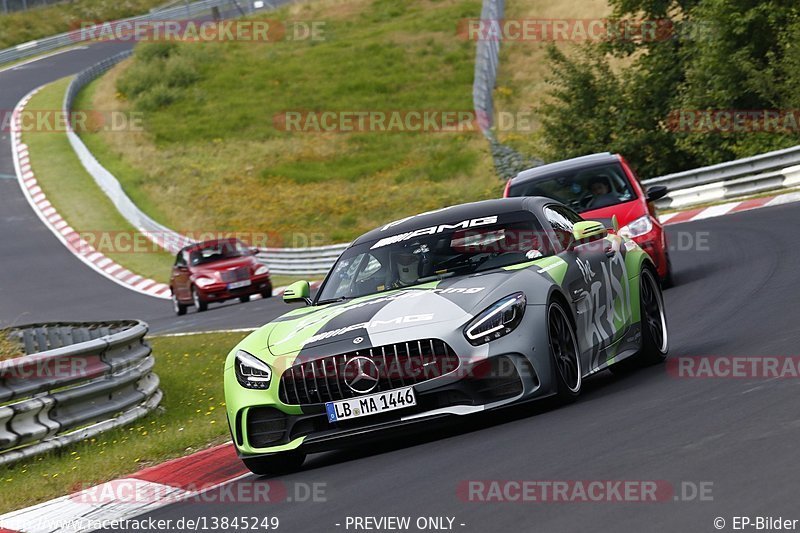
column 253, row 251
column 299, row 291
column 656, row 192
column 589, row 230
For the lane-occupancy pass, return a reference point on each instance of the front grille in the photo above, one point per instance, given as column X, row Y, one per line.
column 240, row 274
column 398, row 365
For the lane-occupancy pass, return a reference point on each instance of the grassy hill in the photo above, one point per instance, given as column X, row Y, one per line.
column 213, row 157
column 35, row 23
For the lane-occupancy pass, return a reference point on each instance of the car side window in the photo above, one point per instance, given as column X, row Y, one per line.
column 562, row 224
column 180, row 260
column 568, row 213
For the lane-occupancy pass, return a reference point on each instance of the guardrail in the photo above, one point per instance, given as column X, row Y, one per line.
column 71, row 38
column 771, row 171
column 75, row 381
column 108, row 183
column 315, row 261
column 290, row 261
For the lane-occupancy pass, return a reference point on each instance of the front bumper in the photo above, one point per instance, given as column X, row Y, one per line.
column 219, row 292
column 505, row 371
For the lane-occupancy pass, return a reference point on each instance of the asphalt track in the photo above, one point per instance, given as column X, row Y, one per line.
column 736, row 294
column 40, row 281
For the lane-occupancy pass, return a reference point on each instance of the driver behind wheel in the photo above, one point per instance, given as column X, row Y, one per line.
column 406, row 269
column 601, row 191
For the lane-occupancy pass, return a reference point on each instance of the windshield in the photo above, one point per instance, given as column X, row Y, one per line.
column 582, row 190
column 217, row 251
column 430, row 254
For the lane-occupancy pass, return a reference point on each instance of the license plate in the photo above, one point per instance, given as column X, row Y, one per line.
column 372, row 404
column 239, row 284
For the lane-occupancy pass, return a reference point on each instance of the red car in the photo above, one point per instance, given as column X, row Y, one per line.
column 598, row 187
column 215, row 271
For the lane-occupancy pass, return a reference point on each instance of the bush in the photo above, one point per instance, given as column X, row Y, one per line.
column 158, row 75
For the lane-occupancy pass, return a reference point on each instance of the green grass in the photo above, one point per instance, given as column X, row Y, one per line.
column 211, row 156
column 23, row 26
column 192, row 417
column 9, row 348
column 75, row 195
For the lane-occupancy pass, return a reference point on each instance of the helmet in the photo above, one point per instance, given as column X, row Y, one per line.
column 406, row 265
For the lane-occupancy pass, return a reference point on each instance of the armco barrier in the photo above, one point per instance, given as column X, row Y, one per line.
column 768, row 172
column 76, row 381
column 300, row 261
column 311, row 261
column 180, row 12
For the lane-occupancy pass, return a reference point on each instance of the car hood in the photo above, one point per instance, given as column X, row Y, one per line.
column 626, row 213
column 419, row 312
column 223, row 265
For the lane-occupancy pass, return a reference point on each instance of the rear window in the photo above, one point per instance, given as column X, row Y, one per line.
column 583, row 189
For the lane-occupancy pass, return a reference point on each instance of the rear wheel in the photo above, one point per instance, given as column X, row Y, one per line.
column 655, row 337
column 283, row 463
column 244, row 299
column 199, row 304
column 177, row 306
column 564, row 349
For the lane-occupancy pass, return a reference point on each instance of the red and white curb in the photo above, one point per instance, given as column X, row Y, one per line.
column 182, row 479
column 60, row 228
column 728, row 208
column 65, row 233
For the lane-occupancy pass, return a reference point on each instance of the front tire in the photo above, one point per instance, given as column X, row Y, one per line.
column 177, row 306
column 283, row 463
column 199, row 304
column 565, row 353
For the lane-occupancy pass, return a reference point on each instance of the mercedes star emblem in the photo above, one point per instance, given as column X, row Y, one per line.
column 361, row 375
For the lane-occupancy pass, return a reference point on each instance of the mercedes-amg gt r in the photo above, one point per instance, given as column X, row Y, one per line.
column 447, row 313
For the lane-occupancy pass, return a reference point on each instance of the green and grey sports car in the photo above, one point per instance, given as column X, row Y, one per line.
column 447, row 313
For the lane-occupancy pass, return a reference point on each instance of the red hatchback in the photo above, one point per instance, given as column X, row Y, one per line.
column 215, row 271
column 598, row 187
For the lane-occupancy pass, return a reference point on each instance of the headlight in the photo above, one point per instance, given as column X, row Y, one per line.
column 204, row 282
column 260, row 271
column 499, row 319
column 640, row 226
column 251, row 372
